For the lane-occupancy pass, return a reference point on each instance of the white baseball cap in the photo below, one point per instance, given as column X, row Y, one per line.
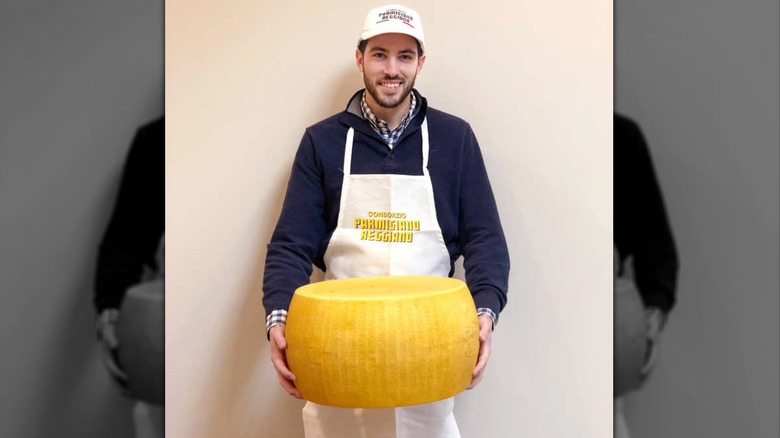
column 393, row 19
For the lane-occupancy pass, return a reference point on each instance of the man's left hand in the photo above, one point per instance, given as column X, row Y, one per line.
column 485, row 336
column 654, row 320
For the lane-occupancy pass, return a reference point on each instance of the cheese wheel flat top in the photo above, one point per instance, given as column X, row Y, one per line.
column 379, row 288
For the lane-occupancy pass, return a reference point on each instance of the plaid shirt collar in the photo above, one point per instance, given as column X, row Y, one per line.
column 381, row 127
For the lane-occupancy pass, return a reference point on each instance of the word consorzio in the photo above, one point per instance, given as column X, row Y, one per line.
column 376, row 228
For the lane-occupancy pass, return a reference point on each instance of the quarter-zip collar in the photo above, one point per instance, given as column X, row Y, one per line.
column 353, row 117
column 391, row 136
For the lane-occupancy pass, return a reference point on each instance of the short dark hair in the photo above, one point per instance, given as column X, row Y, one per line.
column 363, row 43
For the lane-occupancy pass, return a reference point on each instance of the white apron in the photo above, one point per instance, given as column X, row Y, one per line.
column 387, row 226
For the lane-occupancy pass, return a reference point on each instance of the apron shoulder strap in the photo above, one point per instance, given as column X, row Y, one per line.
column 425, row 146
column 348, row 151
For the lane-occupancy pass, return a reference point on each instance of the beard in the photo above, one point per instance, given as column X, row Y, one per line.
column 391, row 101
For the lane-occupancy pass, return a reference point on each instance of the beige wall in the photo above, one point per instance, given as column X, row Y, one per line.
column 76, row 79
column 535, row 81
column 702, row 79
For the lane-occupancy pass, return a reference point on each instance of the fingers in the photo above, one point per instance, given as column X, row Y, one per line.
column 281, row 367
column 484, row 349
column 109, row 342
column 484, row 353
column 278, row 356
column 277, row 336
column 654, row 319
column 109, row 336
column 485, row 339
column 651, row 357
column 113, row 367
column 476, row 375
column 279, row 359
column 288, row 385
column 474, row 382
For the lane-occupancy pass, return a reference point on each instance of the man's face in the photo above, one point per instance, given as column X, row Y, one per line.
column 390, row 65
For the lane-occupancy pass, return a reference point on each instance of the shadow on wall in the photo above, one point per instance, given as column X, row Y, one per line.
column 84, row 73
column 712, row 121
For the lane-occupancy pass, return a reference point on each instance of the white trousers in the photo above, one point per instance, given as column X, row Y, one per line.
column 430, row 420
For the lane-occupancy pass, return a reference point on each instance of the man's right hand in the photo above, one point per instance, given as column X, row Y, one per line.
column 279, row 359
column 107, row 334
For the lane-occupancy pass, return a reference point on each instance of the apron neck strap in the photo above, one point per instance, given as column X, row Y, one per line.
column 351, row 136
column 348, row 151
column 425, row 146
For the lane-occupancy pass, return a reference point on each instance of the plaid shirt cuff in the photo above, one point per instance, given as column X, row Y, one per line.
column 490, row 313
column 276, row 317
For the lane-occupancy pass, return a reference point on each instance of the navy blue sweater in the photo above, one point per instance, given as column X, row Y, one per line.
column 465, row 206
column 136, row 226
column 641, row 225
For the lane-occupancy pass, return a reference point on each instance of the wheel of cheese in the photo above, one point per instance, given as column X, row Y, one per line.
column 141, row 334
column 377, row 342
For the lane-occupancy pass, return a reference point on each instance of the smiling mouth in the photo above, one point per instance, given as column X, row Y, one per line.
column 390, row 85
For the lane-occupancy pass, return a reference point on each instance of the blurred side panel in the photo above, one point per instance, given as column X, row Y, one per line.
column 701, row 78
column 76, row 79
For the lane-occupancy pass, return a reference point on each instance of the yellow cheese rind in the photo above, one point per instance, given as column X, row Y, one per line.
column 377, row 342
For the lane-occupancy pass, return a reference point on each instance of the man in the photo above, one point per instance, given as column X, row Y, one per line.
column 131, row 252
column 647, row 260
column 388, row 148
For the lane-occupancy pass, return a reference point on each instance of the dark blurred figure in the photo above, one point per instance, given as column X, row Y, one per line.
column 646, row 263
column 129, row 286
